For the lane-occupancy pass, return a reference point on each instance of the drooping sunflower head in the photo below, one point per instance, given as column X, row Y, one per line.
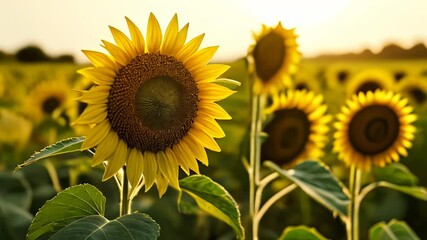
column 415, row 89
column 273, row 58
column 153, row 107
column 298, row 128
column 374, row 129
column 48, row 99
column 370, row 80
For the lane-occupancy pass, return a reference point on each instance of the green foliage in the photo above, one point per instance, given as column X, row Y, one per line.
column 301, row 232
column 15, row 201
column 68, row 145
column 214, row 200
column 78, row 213
column 131, row 226
column 315, row 179
column 414, row 191
column 392, row 231
column 396, row 173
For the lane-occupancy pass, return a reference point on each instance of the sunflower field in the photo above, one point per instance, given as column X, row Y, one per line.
column 151, row 141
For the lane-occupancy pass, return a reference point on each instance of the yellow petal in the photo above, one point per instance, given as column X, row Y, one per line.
column 99, row 75
column 210, row 126
column 197, row 149
column 105, row 148
column 95, row 113
column 96, row 95
column 212, row 110
column 136, row 36
column 100, row 60
column 149, row 167
column 154, row 34
column 170, row 36
column 200, row 58
column 213, row 92
column 134, row 167
column 187, row 156
column 204, row 139
column 180, row 157
column 123, row 42
column 168, row 165
column 189, row 48
column 117, row 160
column 119, row 55
column 209, row 72
column 96, row 135
column 162, row 184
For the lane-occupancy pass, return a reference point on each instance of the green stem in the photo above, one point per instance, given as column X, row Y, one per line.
column 125, row 203
column 353, row 213
column 53, row 174
column 254, row 153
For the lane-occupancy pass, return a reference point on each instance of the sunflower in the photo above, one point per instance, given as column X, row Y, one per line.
column 48, row 99
column 273, row 58
column 297, row 130
column 306, row 81
column 153, row 106
column 370, row 80
column 373, row 129
column 337, row 75
column 414, row 88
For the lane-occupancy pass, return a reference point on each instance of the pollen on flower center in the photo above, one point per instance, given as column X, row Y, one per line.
column 153, row 102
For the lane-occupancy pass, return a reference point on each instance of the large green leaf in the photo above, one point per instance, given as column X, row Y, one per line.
column 315, row 179
column 214, row 200
column 68, row 206
column 414, row 191
column 396, row 173
column 301, row 232
column 68, row 145
column 394, row 230
column 131, row 226
column 15, row 190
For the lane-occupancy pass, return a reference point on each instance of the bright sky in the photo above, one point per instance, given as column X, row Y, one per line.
column 67, row 26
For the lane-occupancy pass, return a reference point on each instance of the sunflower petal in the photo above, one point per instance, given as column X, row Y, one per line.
column 117, row 160
column 105, row 148
column 170, row 36
column 189, row 48
column 154, row 34
column 123, row 42
column 119, row 55
column 204, row 139
column 162, row 184
column 188, row 157
column 210, row 72
column 150, row 169
column 197, row 149
column 98, row 75
column 213, row 110
column 95, row 113
column 210, row 126
column 96, row 135
column 136, row 36
column 200, row 58
column 134, row 167
column 168, row 165
column 96, row 95
column 99, row 59
column 214, row 92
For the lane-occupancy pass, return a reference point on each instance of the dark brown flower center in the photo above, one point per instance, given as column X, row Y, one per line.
column 369, row 85
column 269, row 54
column 288, row 134
column 342, row 76
column 153, row 102
column 373, row 129
column 50, row 104
column 418, row 95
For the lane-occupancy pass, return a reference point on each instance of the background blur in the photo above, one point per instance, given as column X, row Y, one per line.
column 339, row 39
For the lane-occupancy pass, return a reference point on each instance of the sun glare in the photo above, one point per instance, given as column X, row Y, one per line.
column 296, row 13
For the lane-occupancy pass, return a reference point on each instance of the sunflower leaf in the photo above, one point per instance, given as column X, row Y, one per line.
column 66, row 207
column 317, row 181
column 301, row 232
column 64, row 146
column 131, row 226
column 214, row 200
column 392, row 230
column 396, row 173
column 414, row 191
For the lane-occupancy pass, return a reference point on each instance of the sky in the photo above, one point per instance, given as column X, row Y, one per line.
column 323, row 26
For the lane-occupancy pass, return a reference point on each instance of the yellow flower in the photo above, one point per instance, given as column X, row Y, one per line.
column 273, row 58
column 306, row 81
column 48, row 99
column 14, row 129
column 298, row 129
column 373, row 129
column 414, row 88
column 336, row 75
column 153, row 106
column 369, row 80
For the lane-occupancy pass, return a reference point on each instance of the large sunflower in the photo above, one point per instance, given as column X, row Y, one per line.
column 373, row 129
column 153, row 106
column 370, row 80
column 297, row 130
column 48, row 99
column 273, row 58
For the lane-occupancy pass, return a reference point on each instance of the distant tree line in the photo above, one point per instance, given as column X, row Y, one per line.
column 389, row 51
column 33, row 54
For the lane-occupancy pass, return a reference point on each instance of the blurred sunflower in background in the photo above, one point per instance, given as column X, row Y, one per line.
column 373, row 129
column 298, row 128
column 303, row 80
column 153, row 106
column 338, row 75
column 48, row 99
column 415, row 89
column 15, row 129
column 273, row 58
column 370, row 80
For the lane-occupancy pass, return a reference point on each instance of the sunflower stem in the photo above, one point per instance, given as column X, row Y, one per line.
column 353, row 211
column 125, row 203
